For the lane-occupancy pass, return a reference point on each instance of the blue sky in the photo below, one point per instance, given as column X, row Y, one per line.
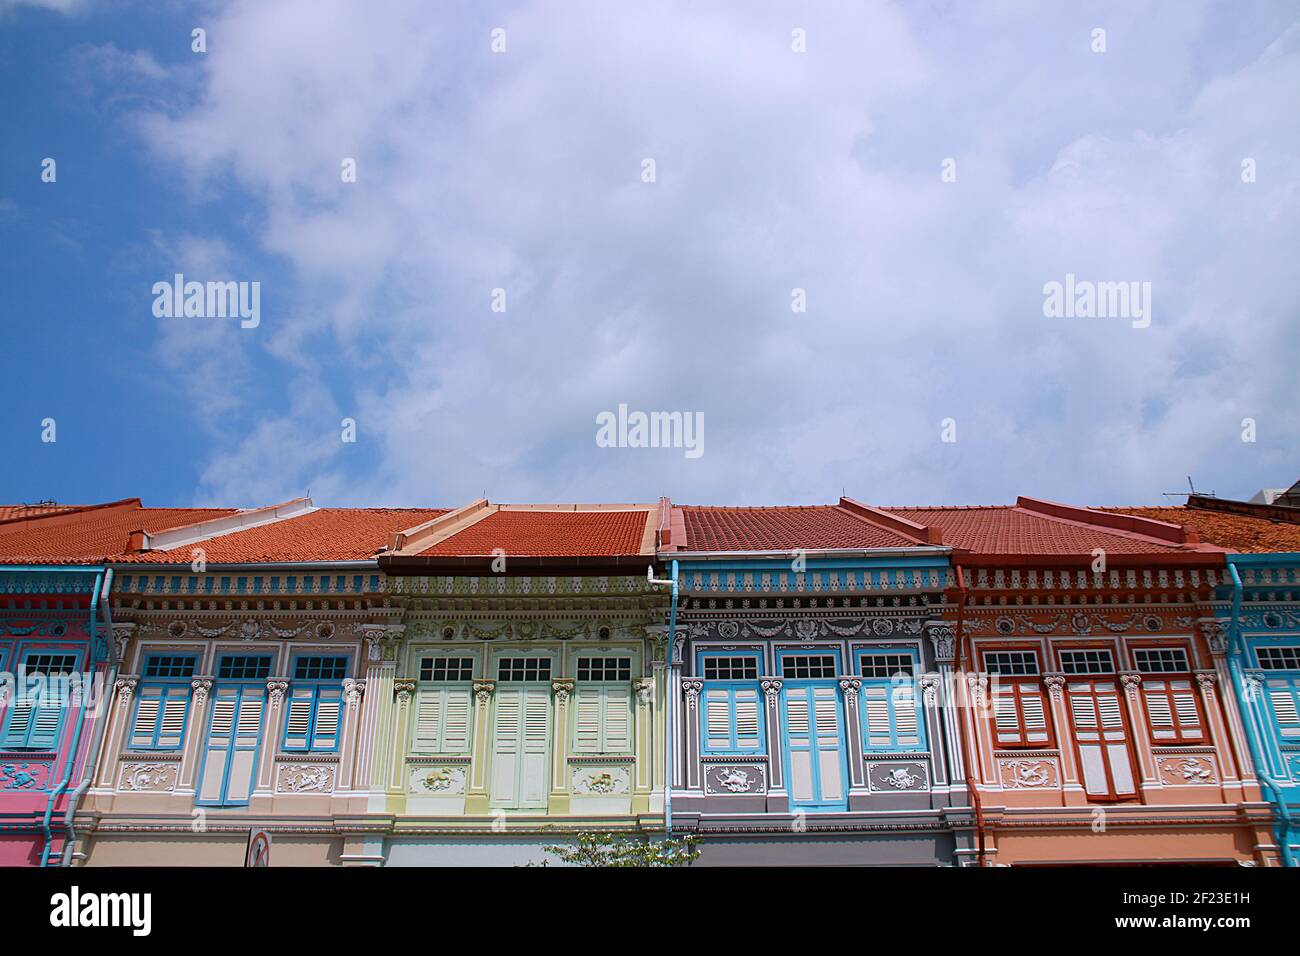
column 522, row 170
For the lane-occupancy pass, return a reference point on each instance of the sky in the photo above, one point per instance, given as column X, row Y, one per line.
column 825, row 229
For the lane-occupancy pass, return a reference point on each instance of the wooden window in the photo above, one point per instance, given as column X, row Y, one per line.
column 733, row 720
column 524, row 669
column 809, row 666
column 1101, row 738
column 315, row 713
column 1078, row 661
column 163, row 702
column 41, row 699
column 1019, row 705
column 446, row 668
column 1169, row 695
column 724, row 667
column 890, row 704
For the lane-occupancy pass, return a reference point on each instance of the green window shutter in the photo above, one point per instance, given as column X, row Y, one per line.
column 588, row 711
column 617, row 720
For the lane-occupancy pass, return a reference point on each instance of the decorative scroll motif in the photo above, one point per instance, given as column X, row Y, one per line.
column 404, row 688
column 1215, row 634
column 440, row 781
column 483, row 691
column 1025, row 774
column 125, row 688
column 156, row 777
column 806, row 629
column 979, row 687
column 930, row 687
column 1055, row 685
column 600, row 781
column 563, row 690
column 895, row 777
column 1187, row 770
column 1206, row 680
column 691, row 688
column 1081, row 623
column 734, row 779
column 644, row 688
column 25, row 776
column 353, row 690
column 850, row 687
column 1132, row 684
column 306, row 778
column 772, row 687
column 944, row 639
column 277, row 689
column 202, row 687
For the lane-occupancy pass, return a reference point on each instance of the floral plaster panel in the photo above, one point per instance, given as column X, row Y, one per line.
column 600, row 781
column 439, row 781
column 735, row 779
column 1029, row 773
column 152, row 777
column 1187, row 771
column 897, row 776
column 305, row 778
column 24, row 775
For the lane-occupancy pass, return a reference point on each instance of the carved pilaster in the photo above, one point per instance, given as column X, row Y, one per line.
column 276, row 688
column 563, row 690
column 644, row 688
column 1055, row 685
column 929, row 688
column 691, row 689
column 202, row 686
column 122, row 634
column 483, row 691
column 404, row 689
column 944, row 638
column 850, row 687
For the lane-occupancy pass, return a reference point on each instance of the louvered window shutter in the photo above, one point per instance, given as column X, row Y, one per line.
column 717, row 719
column 875, row 702
column 747, row 720
column 1173, row 713
column 148, row 708
column 587, row 720
column 176, row 705
column 907, row 732
column 18, row 721
column 329, row 712
column 297, row 726
column 1019, row 714
column 46, row 723
column 617, row 720
column 1282, row 695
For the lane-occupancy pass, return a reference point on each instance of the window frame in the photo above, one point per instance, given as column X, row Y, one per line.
column 730, row 686
column 321, row 690
column 171, row 687
column 63, row 707
column 892, row 685
column 1015, row 684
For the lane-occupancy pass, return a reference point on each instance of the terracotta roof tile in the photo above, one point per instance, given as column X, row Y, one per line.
column 1013, row 530
column 546, row 533
column 90, row 535
column 1238, row 533
column 812, row 527
column 12, row 512
column 326, row 534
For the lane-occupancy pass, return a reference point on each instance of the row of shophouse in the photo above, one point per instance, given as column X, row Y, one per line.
column 1030, row 684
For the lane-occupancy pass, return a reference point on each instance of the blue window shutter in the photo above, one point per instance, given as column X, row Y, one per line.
column 148, row 710
column 329, row 708
column 298, row 725
column 175, row 711
column 18, row 722
column 47, row 721
column 733, row 720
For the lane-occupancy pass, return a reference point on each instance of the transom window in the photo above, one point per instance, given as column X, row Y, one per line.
column 605, row 668
column 1160, row 660
column 524, row 668
column 1278, row 658
column 887, row 665
column 1087, row 662
column 1011, row 663
column 731, row 668
column 806, row 666
column 446, row 668
column 168, row 666
column 50, row 663
column 244, row 667
column 320, row 668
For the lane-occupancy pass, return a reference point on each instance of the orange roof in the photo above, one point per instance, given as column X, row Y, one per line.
column 326, row 534
column 89, row 535
column 521, row 531
column 14, row 512
column 785, row 528
column 1242, row 534
column 1034, row 527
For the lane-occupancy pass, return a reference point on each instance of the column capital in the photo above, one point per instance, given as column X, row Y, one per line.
column 563, row 690
column 644, row 688
column 944, row 638
column 201, row 686
column 483, row 689
column 276, row 687
column 403, row 687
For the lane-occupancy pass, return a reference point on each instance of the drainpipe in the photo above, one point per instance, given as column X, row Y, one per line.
column 967, row 756
column 76, row 731
column 668, row 699
column 101, row 727
column 1248, row 720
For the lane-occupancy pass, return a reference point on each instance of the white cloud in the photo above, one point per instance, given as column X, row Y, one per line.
column 775, row 170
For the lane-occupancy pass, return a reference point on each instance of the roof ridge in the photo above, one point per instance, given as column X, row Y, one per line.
column 73, row 511
column 895, row 524
column 1163, row 533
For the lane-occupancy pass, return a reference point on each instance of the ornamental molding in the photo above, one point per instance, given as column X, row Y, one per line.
column 305, row 778
column 277, row 687
column 483, row 691
column 522, row 586
column 201, row 686
column 1132, row 683
column 691, row 688
column 800, row 627
column 353, row 690
column 404, row 688
column 1055, row 685
column 771, row 688
column 644, row 688
column 930, row 688
column 1006, row 622
column 563, row 690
